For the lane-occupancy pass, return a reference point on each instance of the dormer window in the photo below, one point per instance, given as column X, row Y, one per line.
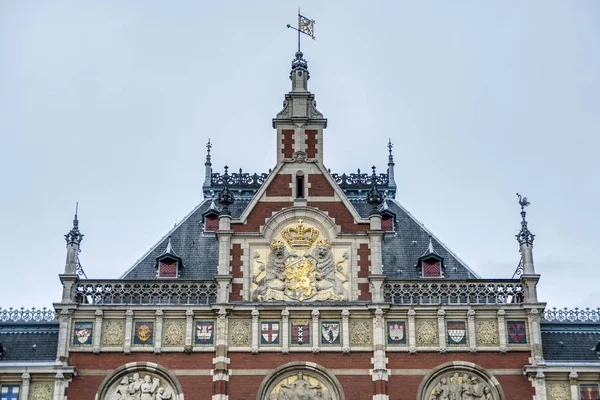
column 168, row 264
column 387, row 223
column 431, row 263
column 211, row 218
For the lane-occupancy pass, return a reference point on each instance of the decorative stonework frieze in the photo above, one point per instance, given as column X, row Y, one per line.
column 487, row 332
column 459, row 387
column 41, row 391
column 361, row 333
column 558, row 390
column 240, row 332
column 174, row 332
column 427, row 332
column 113, row 333
column 135, row 386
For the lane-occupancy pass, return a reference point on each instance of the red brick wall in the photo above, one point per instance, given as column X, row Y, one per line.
column 236, row 260
column 258, row 215
column 280, row 186
column 319, row 186
column 288, row 142
column 341, row 214
column 311, row 143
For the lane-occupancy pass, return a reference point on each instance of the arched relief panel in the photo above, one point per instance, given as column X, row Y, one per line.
column 301, row 260
column 140, row 380
column 300, row 380
column 460, row 380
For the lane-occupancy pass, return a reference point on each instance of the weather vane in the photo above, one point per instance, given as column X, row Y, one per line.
column 305, row 25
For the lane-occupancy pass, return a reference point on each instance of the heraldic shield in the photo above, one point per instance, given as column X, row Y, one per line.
column 204, row 332
column 517, row 333
column 396, row 332
column 300, row 332
column 269, row 332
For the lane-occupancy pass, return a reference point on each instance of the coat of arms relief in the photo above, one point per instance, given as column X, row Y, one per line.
column 300, row 265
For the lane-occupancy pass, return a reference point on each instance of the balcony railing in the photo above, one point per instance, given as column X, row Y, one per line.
column 442, row 291
column 576, row 315
column 145, row 292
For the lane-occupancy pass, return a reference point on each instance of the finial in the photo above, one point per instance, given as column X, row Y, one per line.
column 430, row 249
column 74, row 236
column 390, row 156
column 374, row 196
column 226, row 197
column 524, row 236
column 169, row 249
column 208, row 147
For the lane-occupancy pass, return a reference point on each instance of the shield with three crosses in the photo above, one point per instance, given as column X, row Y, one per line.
column 300, row 332
column 456, row 332
column 269, row 332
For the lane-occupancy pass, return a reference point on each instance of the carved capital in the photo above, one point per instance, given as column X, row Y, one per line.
column 315, row 315
column 99, row 313
column 573, row 377
column 255, row 314
column 345, row 315
column 129, row 315
column 412, row 314
column 443, row 350
column 254, row 350
column 315, row 350
column 503, row 349
column 534, row 315
column 346, row 350
column 26, row 376
column 501, row 314
column 471, row 315
column 221, row 314
column 472, row 349
column 96, row 350
column 187, row 349
column 412, row 349
column 157, row 350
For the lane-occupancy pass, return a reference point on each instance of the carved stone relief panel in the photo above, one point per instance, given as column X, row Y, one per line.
column 558, row 390
column 300, row 265
column 113, row 333
column 461, row 387
column 303, row 386
column 487, row 332
column 240, row 332
column 173, row 332
column 427, row 332
column 361, row 332
column 140, row 385
column 41, row 391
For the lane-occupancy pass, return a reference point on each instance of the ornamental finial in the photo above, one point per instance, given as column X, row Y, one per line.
column 524, row 236
column 374, row 196
column 208, row 147
column 390, row 147
column 74, row 236
column 226, row 197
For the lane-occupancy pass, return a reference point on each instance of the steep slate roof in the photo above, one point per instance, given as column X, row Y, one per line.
column 29, row 341
column 199, row 249
column 570, row 341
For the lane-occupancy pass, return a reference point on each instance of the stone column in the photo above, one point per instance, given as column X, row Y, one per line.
column 472, row 332
column 255, row 331
column 412, row 337
column 442, row 331
column 128, row 331
column 223, row 276
column 158, row 331
column 345, row 332
column 64, row 318
column 315, row 330
column 376, row 278
column 502, row 331
column 59, row 386
column 221, row 361
column 98, row 331
column 26, row 378
column 285, row 331
column 536, row 337
column 573, row 377
column 189, row 331
column 379, row 360
column 539, row 384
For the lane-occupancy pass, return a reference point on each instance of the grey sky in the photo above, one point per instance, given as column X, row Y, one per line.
column 111, row 103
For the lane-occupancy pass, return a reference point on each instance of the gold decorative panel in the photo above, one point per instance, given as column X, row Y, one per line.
column 558, row 390
column 487, row 332
column 113, row 333
column 173, row 332
column 41, row 391
column 240, row 332
column 361, row 332
column 427, row 332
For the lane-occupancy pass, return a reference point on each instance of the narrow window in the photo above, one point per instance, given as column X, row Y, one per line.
column 167, row 269
column 299, row 186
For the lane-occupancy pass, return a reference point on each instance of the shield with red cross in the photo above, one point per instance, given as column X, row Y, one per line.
column 269, row 332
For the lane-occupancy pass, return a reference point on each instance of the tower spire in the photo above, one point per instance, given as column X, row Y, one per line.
column 391, row 164
column 525, row 239
column 207, row 165
column 73, row 239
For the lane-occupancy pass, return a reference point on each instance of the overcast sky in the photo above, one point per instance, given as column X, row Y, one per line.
column 110, row 104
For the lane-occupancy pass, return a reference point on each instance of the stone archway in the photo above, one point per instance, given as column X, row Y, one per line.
column 149, row 381
column 460, row 380
column 304, row 380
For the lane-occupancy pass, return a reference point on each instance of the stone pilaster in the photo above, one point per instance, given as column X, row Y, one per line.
column 26, row 380
column 573, row 378
column 412, row 337
column 285, row 331
column 59, row 386
column 255, row 331
column 441, row 314
column 472, row 332
column 502, row 331
column 128, row 331
column 315, row 330
column 221, row 361
column 345, row 332
column 536, row 337
column 158, row 331
column 189, row 331
column 99, row 314
column 376, row 277
column 380, row 372
column 64, row 318
column 223, row 276
column 539, row 384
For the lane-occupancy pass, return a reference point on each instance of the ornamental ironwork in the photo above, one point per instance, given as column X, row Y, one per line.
column 27, row 315
column 575, row 315
column 453, row 292
column 360, row 179
column 236, row 179
column 136, row 292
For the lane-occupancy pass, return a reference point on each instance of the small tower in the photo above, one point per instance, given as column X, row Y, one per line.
column 299, row 125
column 207, row 165
column 376, row 278
column 525, row 239
column 391, row 164
column 224, row 234
column 69, row 277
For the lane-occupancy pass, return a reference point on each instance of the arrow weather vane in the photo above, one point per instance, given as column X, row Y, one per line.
column 305, row 25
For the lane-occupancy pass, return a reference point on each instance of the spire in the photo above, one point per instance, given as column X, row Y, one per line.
column 391, row 180
column 226, row 197
column 430, row 249
column 525, row 239
column 74, row 236
column 374, row 196
column 73, row 239
column 208, row 165
column 169, row 250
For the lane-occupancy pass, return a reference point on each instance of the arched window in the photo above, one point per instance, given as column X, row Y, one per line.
column 300, row 379
column 455, row 379
column 149, row 381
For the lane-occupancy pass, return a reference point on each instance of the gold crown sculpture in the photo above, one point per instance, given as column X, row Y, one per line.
column 300, row 236
column 276, row 243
